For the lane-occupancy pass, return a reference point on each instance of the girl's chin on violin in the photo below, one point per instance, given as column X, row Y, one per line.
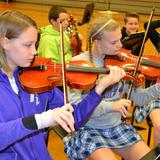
column 114, row 53
column 117, row 51
column 27, row 63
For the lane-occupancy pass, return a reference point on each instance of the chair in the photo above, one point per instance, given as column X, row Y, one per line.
column 150, row 125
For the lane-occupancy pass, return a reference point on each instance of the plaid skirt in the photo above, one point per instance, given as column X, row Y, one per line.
column 83, row 142
column 142, row 112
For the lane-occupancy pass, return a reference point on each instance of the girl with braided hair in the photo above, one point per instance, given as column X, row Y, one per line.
column 105, row 133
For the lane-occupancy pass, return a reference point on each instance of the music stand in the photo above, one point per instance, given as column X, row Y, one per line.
column 133, row 41
column 87, row 13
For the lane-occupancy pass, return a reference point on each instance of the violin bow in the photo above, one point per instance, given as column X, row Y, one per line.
column 58, row 129
column 63, row 66
column 140, row 53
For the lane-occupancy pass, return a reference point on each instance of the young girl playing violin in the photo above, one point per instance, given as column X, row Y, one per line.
column 23, row 116
column 105, row 133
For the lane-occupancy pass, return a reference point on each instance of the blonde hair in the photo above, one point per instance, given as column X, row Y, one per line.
column 97, row 27
column 12, row 24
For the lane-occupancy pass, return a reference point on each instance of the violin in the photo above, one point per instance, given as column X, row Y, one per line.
column 149, row 65
column 49, row 75
column 76, row 38
column 80, row 74
column 76, row 43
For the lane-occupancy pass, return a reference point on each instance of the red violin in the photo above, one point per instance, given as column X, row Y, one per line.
column 149, row 65
column 76, row 38
column 76, row 43
column 44, row 74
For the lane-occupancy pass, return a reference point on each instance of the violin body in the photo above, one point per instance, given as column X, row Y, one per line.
column 149, row 65
column 76, row 43
column 35, row 80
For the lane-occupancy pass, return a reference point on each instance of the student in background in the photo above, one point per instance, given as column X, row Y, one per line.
column 50, row 39
column 49, row 45
column 131, row 25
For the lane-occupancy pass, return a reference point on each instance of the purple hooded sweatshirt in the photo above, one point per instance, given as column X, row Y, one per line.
column 17, row 142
